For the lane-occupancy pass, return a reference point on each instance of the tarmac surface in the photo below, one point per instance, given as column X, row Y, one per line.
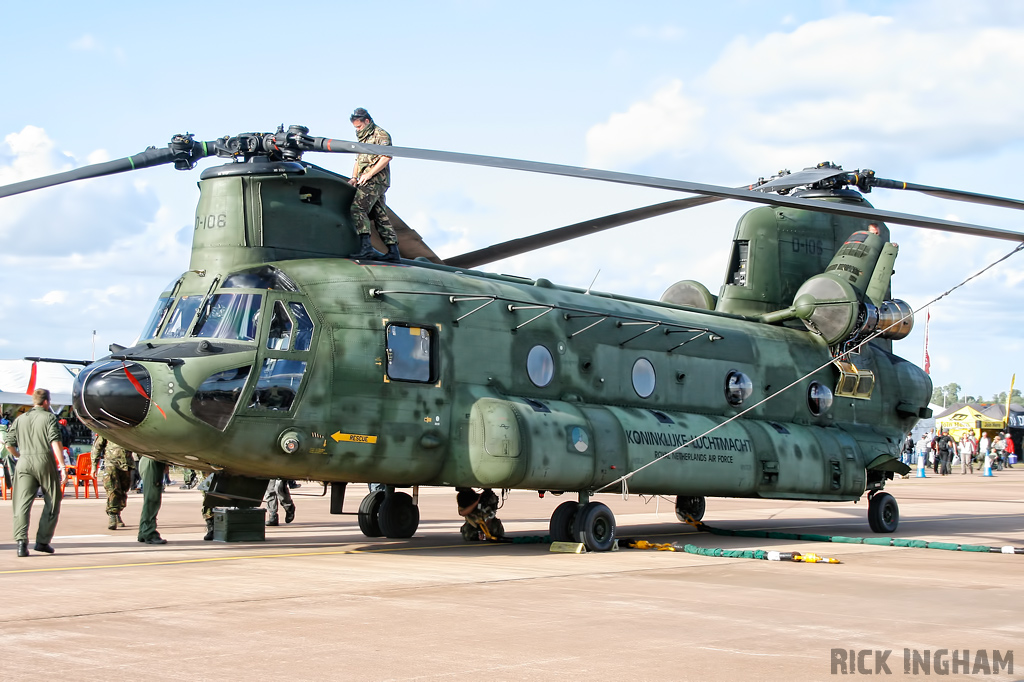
column 318, row 600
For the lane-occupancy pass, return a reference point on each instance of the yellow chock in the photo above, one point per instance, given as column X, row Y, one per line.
column 568, row 547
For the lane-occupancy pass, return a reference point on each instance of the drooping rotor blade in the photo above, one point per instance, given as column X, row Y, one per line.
column 954, row 194
column 807, row 176
column 409, row 240
column 836, row 208
column 515, row 247
column 183, row 151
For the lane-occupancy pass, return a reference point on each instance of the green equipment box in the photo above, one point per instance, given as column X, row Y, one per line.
column 232, row 524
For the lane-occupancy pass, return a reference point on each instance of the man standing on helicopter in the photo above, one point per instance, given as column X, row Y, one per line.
column 371, row 177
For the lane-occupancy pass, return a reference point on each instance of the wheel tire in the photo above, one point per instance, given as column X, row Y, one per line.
column 563, row 521
column 398, row 517
column 694, row 506
column 369, row 514
column 595, row 527
column 883, row 513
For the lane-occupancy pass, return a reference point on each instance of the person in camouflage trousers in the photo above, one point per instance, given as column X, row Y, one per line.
column 117, row 477
column 371, row 177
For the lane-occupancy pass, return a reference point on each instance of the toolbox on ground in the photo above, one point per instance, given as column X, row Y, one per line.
column 232, row 524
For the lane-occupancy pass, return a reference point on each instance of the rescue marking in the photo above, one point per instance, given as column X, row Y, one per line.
column 353, row 438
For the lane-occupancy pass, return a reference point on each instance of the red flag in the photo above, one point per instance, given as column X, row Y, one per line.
column 31, row 380
column 927, row 360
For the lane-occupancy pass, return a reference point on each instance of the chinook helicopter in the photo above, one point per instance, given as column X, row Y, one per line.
column 277, row 355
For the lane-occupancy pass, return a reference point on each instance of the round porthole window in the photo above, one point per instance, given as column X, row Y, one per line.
column 644, row 378
column 819, row 398
column 738, row 387
column 540, row 366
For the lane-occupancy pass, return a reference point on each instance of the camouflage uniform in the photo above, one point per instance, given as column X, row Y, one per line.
column 369, row 200
column 117, row 475
column 152, row 473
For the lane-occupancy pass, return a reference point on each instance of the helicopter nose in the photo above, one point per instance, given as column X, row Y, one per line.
column 112, row 394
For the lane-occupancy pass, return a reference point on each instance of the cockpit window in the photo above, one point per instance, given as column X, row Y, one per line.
column 280, row 335
column 230, row 316
column 278, row 384
column 182, row 317
column 215, row 399
column 304, row 324
column 265, row 277
column 156, row 317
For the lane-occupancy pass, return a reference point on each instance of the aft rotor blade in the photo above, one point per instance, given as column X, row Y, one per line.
column 186, row 152
column 954, row 194
column 832, row 207
column 515, row 247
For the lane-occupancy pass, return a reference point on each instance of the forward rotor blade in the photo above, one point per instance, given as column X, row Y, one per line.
column 182, row 149
column 515, row 247
column 832, row 207
column 954, row 194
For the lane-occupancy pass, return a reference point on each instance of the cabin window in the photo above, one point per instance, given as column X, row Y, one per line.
column 410, row 353
column 278, row 384
column 738, row 387
column 279, row 337
column 182, row 317
column 644, row 378
column 303, row 326
column 156, row 317
column 819, row 398
column 230, row 316
column 215, row 399
column 540, row 366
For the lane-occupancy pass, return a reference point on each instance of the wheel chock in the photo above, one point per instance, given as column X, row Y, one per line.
column 568, row 547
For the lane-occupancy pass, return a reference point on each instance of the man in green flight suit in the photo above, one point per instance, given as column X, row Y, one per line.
column 117, row 477
column 152, row 473
column 371, row 177
column 34, row 438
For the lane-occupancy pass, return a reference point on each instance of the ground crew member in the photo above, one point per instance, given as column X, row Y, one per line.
column 117, row 477
column 34, row 439
column 277, row 490
column 152, row 473
column 371, row 177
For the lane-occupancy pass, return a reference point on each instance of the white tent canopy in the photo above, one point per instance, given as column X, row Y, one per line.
column 16, row 374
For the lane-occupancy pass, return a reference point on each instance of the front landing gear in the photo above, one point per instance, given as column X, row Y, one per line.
column 690, row 507
column 883, row 512
column 591, row 523
column 388, row 513
column 480, row 511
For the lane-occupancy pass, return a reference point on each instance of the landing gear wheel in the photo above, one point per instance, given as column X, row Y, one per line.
column 369, row 513
column 563, row 520
column 694, row 506
column 883, row 513
column 398, row 516
column 595, row 527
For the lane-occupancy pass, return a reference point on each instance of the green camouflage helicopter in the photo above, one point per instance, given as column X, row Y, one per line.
column 277, row 355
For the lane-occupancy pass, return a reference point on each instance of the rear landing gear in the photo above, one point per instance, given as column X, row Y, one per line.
column 883, row 513
column 690, row 506
column 591, row 523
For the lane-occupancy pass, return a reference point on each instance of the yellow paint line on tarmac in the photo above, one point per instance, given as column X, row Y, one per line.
column 235, row 558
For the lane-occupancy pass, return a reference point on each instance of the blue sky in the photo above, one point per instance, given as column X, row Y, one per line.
column 723, row 93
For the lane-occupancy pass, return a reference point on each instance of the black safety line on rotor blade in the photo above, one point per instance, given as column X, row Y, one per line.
column 343, row 146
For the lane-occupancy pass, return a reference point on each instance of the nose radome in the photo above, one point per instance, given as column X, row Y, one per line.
column 113, row 394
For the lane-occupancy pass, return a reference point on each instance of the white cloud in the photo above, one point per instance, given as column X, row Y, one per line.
column 669, row 121
column 52, row 298
column 86, row 43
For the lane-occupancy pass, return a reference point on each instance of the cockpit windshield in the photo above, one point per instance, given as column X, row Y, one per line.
column 182, row 317
column 230, row 316
column 156, row 317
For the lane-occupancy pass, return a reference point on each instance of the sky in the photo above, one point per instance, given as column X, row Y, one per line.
column 720, row 93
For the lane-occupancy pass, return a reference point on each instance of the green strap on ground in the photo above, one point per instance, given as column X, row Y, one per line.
column 811, row 537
